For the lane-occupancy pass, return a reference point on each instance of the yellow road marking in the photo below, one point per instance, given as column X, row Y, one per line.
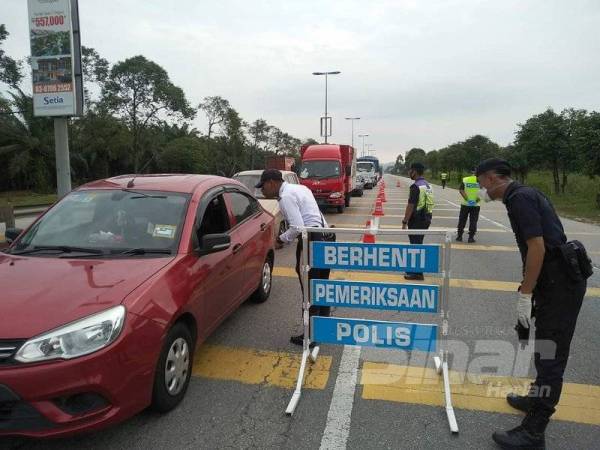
column 381, row 381
column 484, row 285
column 251, row 366
column 362, row 226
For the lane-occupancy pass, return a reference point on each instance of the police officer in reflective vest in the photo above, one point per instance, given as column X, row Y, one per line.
column 469, row 190
column 419, row 208
column 552, row 290
column 444, row 178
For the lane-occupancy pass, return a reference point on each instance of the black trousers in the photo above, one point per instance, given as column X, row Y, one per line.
column 557, row 301
column 473, row 213
column 316, row 274
column 443, row 184
column 418, row 221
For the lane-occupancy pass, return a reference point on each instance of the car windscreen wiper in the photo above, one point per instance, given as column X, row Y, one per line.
column 143, row 251
column 142, row 194
column 58, row 248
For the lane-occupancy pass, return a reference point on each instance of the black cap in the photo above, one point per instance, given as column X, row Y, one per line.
column 269, row 174
column 500, row 166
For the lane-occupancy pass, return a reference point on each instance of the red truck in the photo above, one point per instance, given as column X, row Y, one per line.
column 280, row 163
column 329, row 171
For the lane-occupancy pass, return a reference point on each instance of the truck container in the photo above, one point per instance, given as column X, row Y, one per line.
column 280, row 163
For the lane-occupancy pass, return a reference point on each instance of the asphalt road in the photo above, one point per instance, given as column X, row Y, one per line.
column 244, row 374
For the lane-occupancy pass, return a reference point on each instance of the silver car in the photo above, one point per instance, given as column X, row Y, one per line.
column 250, row 178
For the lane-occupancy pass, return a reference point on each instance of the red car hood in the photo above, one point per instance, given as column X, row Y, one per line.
column 39, row 294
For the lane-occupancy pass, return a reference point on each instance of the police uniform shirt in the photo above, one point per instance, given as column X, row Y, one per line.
column 300, row 209
column 532, row 215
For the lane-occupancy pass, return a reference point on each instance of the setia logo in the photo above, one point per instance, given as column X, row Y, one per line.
column 53, row 100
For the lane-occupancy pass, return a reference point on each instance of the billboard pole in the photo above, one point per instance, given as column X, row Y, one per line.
column 63, row 165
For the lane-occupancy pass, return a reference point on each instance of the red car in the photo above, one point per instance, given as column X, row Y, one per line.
column 106, row 296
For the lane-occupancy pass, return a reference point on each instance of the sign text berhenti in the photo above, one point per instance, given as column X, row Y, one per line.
column 352, row 256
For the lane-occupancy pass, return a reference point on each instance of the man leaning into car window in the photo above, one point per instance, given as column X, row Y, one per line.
column 300, row 209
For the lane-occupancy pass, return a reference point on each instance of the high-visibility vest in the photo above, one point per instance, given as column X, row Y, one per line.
column 471, row 190
column 425, row 196
column 444, row 176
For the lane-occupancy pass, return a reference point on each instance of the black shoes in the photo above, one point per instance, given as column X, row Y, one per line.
column 519, row 438
column 414, row 277
column 299, row 340
column 471, row 240
column 520, row 402
column 459, row 238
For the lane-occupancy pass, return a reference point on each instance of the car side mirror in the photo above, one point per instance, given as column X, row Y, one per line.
column 11, row 234
column 212, row 243
column 348, row 171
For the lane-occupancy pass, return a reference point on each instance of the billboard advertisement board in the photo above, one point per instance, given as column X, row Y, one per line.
column 55, row 57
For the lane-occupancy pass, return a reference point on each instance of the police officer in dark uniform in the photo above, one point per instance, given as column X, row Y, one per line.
column 547, row 293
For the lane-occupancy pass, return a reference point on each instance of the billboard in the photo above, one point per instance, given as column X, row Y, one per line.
column 55, row 57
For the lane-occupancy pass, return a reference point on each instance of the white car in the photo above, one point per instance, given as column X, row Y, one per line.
column 250, row 178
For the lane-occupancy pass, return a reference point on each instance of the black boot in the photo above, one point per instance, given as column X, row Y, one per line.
column 520, row 402
column 459, row 237
column 529, row 435
column 471, row 239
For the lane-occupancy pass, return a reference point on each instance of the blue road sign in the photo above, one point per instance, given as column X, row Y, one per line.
column 366, row 295
column 380, row 257
column 374, row 333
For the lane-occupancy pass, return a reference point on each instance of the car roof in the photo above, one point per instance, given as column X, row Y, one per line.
column 186, row 183
column 258, row 172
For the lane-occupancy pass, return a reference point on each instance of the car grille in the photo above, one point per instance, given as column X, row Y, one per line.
column 8, row 348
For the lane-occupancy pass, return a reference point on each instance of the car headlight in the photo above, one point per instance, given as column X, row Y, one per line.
column 75, row 339
column 336, row 194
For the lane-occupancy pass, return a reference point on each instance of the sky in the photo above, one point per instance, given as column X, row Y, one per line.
column 419, row 73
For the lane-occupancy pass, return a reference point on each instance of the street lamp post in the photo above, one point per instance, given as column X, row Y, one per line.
column 336, row 72
column 352, row 119
column 363, row 136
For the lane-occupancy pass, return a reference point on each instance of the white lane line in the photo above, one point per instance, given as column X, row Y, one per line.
column 498, row 224
column 337, row 428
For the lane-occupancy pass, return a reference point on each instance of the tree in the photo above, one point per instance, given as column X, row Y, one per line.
column 432, row 161
column 414, row 155
column 259, row 135
column 184, row 155
column 141, row 93
column 95, row 72
column 399, row 165
column 543, row 139
column 10, row 69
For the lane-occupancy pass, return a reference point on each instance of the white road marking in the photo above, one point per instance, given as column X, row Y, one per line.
column 337, row 428
column 498, row 224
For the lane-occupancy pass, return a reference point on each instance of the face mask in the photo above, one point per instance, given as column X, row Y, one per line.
column 483, row 194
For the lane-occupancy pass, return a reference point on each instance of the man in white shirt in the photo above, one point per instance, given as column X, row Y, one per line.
column 300, row 209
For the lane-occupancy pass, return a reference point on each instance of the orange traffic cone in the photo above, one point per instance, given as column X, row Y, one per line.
column 398, row 183
column 382, row 196
column 378, row 212
column 368, row 238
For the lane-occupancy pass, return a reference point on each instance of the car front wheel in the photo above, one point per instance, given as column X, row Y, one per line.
column 174, row 369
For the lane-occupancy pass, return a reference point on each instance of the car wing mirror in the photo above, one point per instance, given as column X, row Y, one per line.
column 212, row 243
column 11, row 234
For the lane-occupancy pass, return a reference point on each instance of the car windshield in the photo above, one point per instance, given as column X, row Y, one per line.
column 364, row 167
column 108, row 222
column 320, row 169
column 250, row 180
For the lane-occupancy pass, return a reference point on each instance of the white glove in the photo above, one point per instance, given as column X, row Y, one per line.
column 524, row 310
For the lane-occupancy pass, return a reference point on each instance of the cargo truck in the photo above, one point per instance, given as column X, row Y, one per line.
column 329, row 171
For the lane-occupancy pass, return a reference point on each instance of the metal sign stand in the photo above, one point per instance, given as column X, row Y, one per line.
column 440, row 361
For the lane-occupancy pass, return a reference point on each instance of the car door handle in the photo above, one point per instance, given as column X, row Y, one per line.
column 263, row 226
column 236, row 248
